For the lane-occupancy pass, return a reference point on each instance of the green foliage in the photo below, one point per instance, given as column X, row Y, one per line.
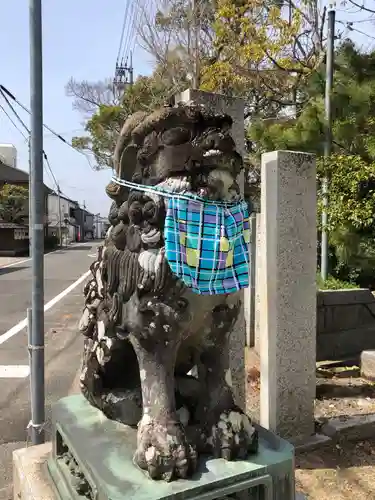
column 13, row 203
column 351, row 196
column 351, row 212
column 103, row 129
column 353, row 105
column 332, row 283
column 261, row 57
column 351, row 167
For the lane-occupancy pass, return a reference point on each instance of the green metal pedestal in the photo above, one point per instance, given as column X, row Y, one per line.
column 93, row 459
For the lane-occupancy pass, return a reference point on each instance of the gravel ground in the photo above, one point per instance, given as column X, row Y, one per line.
column 337, row 471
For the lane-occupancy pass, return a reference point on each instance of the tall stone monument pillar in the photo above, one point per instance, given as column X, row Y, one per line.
column 235, row 109
column 288, row 293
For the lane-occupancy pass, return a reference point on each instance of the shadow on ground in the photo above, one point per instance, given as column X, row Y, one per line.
column 338, row 471
column 13, row 269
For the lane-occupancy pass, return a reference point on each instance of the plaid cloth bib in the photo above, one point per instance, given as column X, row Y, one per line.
column 206, row 244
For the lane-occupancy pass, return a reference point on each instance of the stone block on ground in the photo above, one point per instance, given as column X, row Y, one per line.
column 354, row 428
column 368, row 364
column 31, row 480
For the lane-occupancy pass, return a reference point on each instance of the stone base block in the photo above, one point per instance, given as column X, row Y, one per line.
column 311, row 443
column 93, row 458
column 368, row 364
column 354, row 428
column 31, row 480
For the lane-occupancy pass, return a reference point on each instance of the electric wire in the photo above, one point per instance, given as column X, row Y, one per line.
column 123, row 31
column 140, row 13
column 13, row 122
column 6, row 93
column 131, row 34
column 124, row 55
column 14, row 111
column 46, row 163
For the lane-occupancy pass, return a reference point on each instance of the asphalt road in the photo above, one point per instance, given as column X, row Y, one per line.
column 63, row 343
column 61, row 268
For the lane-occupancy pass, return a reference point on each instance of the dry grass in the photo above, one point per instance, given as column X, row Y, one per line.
column 338, row 472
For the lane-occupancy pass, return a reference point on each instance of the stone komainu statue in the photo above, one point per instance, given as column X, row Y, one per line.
column 147, row 327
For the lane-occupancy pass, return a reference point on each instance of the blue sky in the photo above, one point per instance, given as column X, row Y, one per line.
column 80, row 39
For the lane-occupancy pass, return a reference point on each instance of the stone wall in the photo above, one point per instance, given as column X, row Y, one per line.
column 345, row 323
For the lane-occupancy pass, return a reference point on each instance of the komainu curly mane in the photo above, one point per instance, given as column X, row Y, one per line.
column 145, row 331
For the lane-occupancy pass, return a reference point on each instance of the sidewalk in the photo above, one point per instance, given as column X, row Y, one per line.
column 63, row 345
column 10, row 261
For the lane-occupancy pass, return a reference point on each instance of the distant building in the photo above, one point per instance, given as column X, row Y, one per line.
column 77, row 224
column 88, row 225
column 101, row 226
column 67, row 210
column 8, row 155
column 14, row 238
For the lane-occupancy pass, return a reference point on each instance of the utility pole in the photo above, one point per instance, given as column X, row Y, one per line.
column 196, row 25
column 328, row 137
column 124, row 74
column 83, row 220
column 36, row 347
column 59, row 202
column 29, row 194
column 131, row 72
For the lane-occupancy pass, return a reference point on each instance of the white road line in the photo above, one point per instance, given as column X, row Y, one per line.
column 46, row 254
column 14, row 371
column 22, row 324
column 15, row 263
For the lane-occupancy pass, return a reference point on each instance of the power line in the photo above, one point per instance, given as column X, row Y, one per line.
column 47, row 166
column 14, row 111
column 50, row 170
column 123, row 30
column 124, row 62
column 128, row 32
column 350, row 28
column 13, row 122
column 134, row 27
column 4, row 90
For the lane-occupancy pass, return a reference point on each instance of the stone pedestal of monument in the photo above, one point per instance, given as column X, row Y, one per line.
column 92, row 458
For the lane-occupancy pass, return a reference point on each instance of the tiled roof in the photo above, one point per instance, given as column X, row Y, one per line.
column 11, row 174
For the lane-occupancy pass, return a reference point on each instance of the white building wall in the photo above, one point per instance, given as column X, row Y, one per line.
column 8, row 154
column 68, row 230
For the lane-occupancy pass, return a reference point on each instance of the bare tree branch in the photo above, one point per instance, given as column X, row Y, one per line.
column 89, row 96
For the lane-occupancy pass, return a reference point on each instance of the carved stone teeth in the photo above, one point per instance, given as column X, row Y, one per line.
column 212, row 152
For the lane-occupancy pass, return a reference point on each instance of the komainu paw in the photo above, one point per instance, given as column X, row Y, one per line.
column 163, row 449
column 233, row 436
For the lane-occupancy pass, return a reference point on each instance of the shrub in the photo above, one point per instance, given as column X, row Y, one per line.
column 332, row 283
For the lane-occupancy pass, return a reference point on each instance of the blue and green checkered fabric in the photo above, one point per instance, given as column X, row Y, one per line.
column 206, row 245
column 206, row 242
